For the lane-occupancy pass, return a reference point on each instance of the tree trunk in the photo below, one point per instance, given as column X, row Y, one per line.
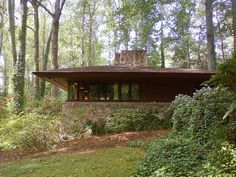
column 82, row 38
column 54, row 36
column 19, row 82
column 36, row 47
column 234, row 24
column 5, row 86
column 45, row 63
column 187, row 53
column 1, row 26
column 5, row 92
column 210, row 35
column 11, row 13
column 90, row 42
column 54, row 52
column 54, row 42
column 162, row 47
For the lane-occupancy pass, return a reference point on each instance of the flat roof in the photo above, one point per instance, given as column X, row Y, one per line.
column 125, row 68
column 62, row 76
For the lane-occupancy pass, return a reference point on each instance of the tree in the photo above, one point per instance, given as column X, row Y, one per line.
column 234, row 24
column 211, row 56
column 36, row 46
column 19, row 62
column 11, row 12
column 2, row 7
column 58, row 6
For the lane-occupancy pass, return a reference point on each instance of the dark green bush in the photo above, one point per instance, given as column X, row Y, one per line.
column 135, row 120
column 196, row 122
column 173, row 155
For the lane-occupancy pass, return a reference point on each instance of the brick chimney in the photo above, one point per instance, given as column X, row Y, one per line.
column 133, row 58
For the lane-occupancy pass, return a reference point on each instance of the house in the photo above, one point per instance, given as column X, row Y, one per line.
column 129, row 80
column 97, row 93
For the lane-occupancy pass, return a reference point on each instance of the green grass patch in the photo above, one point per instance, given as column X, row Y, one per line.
column 116, row 162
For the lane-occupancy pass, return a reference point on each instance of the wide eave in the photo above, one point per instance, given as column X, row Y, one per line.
column 61, row 77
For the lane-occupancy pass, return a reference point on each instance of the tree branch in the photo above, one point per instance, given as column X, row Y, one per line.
column 62, row 4
column 30, row 28
column 44, row 7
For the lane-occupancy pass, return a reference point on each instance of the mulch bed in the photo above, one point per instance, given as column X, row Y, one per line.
column 85, row 144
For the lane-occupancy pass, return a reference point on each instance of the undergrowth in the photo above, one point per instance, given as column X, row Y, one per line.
column 198, row 140
column 37, row 127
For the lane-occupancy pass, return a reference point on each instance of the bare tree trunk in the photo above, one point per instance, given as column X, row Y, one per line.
column 1, row 26
column 59, row 4
column 45, row 63
column 221, row 37
column 11, row 13
column 6, row 83
column 187, row 54
column 162, row 47
column 36, row 47
column 3, row 6
column 210, row 35
column 82, row 38
column 19, row 79
column 234, row 24
column 54, row 51
column 90, row 41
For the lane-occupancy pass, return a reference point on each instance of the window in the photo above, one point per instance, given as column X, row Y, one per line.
column 134, row 92
column 72, row 91
column 93, row 92
column 104, row 92
column 116, row 91
column 110, row 92
column 125, row 91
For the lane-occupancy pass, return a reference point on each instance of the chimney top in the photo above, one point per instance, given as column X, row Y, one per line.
column 133, row 58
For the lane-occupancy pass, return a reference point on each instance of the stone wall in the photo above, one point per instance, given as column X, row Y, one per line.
column 76, row 114
column 132, row 58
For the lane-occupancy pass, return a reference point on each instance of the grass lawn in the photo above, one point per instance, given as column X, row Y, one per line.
column 116, row 162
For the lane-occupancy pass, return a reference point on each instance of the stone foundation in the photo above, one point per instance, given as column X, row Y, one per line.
column 75, row 114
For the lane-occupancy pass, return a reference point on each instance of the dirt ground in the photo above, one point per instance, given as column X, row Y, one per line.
column 85, row 144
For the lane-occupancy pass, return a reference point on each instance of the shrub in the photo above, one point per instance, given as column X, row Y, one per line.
column 115, row 120
column 135, row 120
column 37, row 128
column 222, row 161
column 197, row 127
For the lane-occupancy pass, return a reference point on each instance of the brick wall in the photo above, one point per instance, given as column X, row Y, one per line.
column 132, row 58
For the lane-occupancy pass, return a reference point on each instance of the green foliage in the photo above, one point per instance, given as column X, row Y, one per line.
column 222, row 161
column 173, row 155
column 225, row 75
column 116, row 120
column 37, row 128
column 136, row 119
column 198, row 128
column 98, row 127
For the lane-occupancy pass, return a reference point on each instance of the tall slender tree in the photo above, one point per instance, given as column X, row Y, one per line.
column 12, row 31
column 36, row 46
column 19, row 75
column 234, row 24
column 58, row 6
column 2, row 7
column 211, row 55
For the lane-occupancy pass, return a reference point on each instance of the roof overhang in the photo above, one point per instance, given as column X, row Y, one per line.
column 60, row 78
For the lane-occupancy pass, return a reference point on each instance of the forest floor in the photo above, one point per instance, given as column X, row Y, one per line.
column 85, row 144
